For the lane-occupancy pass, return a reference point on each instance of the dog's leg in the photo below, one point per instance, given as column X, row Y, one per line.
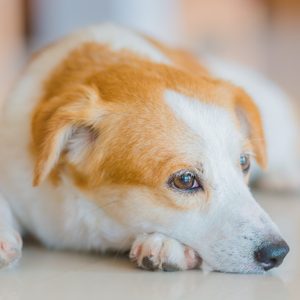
column 157, row 251
column 10, row 239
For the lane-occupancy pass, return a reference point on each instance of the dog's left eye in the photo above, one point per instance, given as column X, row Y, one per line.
column 185, row 181
column 245, row 162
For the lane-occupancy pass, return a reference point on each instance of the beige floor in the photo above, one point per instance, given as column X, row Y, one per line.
column 46, row 275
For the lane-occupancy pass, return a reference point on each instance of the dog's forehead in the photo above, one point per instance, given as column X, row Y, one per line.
column 213, row 124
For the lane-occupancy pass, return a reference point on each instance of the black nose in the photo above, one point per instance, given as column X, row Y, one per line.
column 271, row 255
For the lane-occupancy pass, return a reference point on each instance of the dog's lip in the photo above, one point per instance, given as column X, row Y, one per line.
column 207, row 268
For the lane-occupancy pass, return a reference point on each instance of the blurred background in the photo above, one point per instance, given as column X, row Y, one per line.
column 263, row 34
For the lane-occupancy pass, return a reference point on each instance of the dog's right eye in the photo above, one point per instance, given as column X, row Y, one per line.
column 185, row 181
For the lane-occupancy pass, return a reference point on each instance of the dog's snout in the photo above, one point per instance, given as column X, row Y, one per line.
column 271, row 255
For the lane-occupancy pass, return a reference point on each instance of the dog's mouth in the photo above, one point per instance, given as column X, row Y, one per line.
column 250, row 268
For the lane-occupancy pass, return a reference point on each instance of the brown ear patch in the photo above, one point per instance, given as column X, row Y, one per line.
column 57, row 122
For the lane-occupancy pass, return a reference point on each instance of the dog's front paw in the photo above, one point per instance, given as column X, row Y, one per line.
column 156, row 251
column 10, row 247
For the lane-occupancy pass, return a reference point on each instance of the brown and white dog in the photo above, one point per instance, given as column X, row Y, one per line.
column 133, row 146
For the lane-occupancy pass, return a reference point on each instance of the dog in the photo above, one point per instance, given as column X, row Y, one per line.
column 111, row 140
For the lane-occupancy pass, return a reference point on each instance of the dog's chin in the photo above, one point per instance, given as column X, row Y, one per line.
column 242, row 269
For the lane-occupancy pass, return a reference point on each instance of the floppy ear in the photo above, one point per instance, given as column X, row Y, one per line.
column 64, row 125
column 251, row 121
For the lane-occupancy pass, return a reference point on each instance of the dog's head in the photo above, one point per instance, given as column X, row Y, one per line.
column 161, row 150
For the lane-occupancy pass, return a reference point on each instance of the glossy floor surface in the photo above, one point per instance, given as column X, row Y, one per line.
column 44, row 274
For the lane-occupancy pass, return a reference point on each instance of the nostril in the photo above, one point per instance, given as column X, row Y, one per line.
column 271, row 255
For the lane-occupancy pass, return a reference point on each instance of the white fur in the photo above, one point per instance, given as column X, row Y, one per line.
column 281, row 128
column 199, row 116
column 218, row 148
column 62, row 217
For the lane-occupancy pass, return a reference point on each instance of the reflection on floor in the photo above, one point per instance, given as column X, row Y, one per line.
column 44, row 274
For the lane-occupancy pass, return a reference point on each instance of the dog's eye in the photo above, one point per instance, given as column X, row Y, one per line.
column 245, row 162
column 185, row 181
